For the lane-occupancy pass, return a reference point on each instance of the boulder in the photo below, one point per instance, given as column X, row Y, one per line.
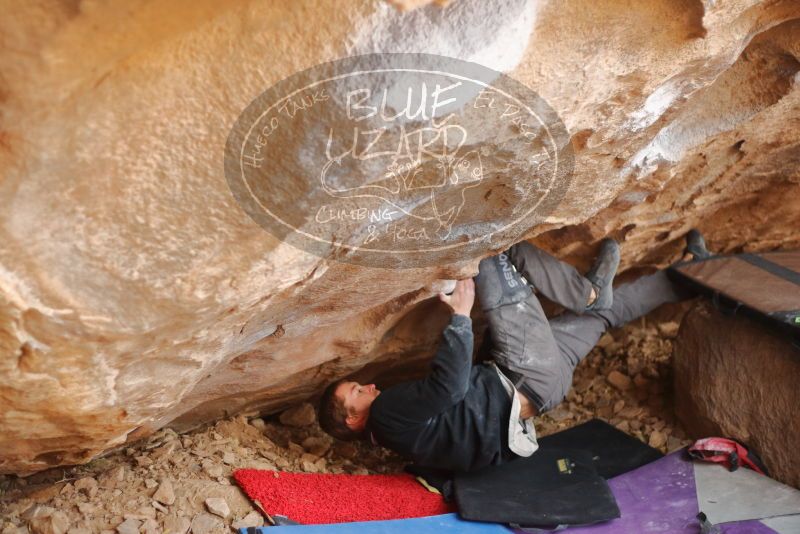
column 734, row 378
column 135, row 292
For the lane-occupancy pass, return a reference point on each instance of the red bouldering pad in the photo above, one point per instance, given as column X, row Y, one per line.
column 332, row 498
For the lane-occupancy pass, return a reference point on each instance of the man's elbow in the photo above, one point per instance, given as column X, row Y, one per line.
column 457, row 395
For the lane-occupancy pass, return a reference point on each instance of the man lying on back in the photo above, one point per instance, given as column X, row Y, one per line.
column 462, row 417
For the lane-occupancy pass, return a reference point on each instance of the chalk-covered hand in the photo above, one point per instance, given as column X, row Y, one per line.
column 462, row 298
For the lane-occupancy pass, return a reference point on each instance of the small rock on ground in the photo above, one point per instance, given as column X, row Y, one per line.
column 176, row 525
column 150, row 526
column 657, row 439
column 300, row 415
column 259, row 424
column 55, row 523
column 129, row 526
column 165, row 494
column 218, row 506
column 88, row 485
column 205, row 523
column 619, row 380
column 253, row 519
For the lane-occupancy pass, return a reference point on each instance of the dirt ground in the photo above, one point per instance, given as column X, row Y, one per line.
column 177, row 483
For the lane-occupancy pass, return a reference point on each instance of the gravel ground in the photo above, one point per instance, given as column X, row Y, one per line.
column 174, row 483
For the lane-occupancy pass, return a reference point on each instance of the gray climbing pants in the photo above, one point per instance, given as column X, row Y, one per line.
column 540, row 355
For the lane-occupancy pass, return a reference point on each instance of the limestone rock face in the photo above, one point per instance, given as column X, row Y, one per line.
column 734, row 379
column 135, row 293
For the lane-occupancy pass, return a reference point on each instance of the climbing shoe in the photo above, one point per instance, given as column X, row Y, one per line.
column 696, row 245
column 601, row 275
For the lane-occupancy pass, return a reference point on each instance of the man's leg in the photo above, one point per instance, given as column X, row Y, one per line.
column 556, row 280
column 522, row 342
column 577, row 334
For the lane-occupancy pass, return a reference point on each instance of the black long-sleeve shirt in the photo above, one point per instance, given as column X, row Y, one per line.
column 456, row 418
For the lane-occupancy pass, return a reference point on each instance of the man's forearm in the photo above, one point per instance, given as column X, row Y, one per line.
column 449, row 378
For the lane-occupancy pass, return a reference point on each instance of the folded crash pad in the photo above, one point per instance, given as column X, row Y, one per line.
column 764, row 286
column 552, row 487
column 336, row 498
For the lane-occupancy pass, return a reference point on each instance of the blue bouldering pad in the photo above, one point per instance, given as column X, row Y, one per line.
column 437, row 524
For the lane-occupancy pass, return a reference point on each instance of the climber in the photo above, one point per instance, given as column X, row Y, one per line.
column 462, row 417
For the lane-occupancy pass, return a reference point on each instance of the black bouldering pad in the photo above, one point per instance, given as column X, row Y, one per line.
column 763, row 286
column 550, row 488
column 613, row 452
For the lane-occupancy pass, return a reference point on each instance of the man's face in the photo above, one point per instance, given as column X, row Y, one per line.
column 357, row 398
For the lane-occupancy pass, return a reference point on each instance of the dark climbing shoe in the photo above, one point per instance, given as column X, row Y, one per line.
column 601, row 275
column 696, row 245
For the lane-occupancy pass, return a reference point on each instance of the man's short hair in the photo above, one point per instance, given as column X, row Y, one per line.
column 332, row 414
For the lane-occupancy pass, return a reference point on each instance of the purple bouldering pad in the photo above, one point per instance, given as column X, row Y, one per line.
column 661, row 497
column 746, row 527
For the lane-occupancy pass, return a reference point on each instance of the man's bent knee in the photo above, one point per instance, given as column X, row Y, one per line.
column 546, row 391
column 499, row 284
